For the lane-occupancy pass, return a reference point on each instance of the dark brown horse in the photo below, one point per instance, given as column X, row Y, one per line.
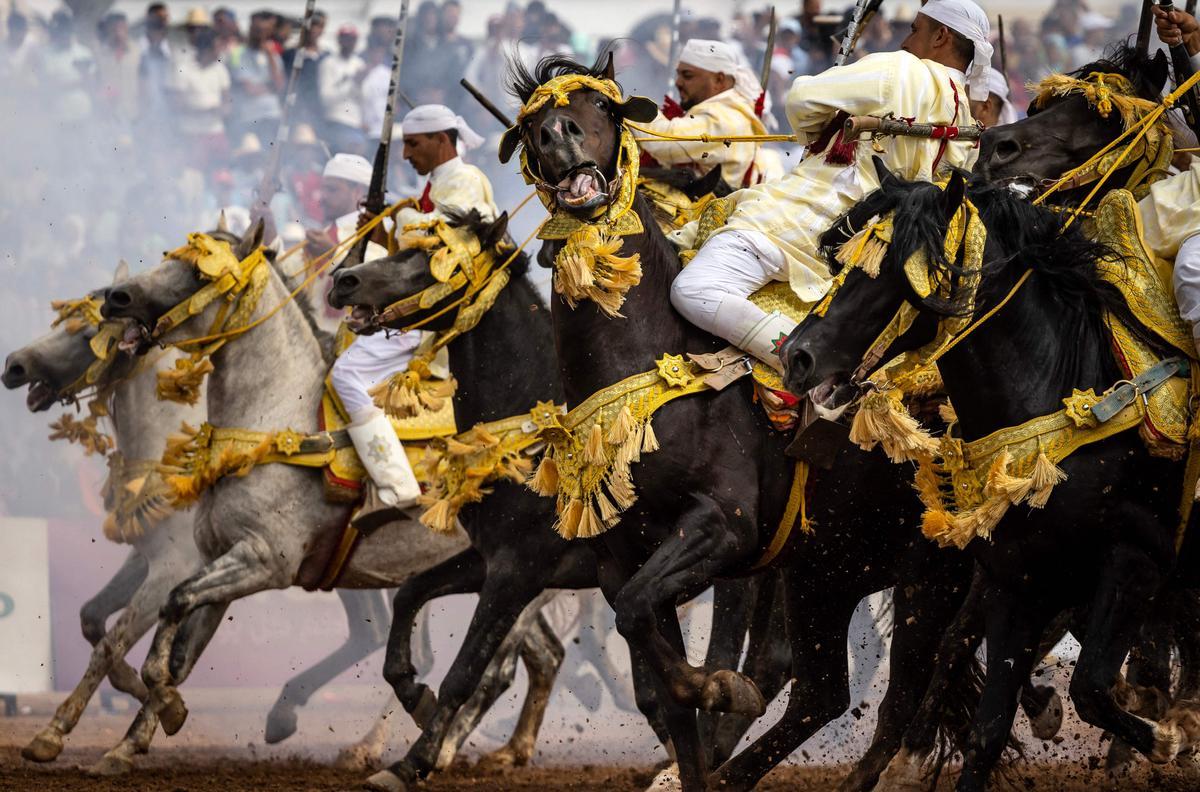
column 710, row 499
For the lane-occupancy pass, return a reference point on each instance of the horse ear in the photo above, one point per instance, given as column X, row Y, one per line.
column 639, row 109
column 122, row 272
column 251, row 241
column 952, row 198
column 885, row 176
column 1157, row 71
column 610, row 73
column 493, row 233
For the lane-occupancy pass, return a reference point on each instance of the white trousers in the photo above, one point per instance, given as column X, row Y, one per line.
column 1186, row 279
column 729, row 268
column 365, row 364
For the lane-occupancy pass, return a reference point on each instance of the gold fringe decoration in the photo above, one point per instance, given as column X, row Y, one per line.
column 1046, row 475
column 594, row 452
column 588, row 268
column 86, row 432
column 882, row 419
column 946, row 413
column 77, row 314
column 182, row 383
column 1104, row 92
column 136, row 497
column 189, row 467
column 867, row 248
column 545, row 480
column 649, row 439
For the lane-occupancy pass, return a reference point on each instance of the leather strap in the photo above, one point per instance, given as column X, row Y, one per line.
column 1124, row 393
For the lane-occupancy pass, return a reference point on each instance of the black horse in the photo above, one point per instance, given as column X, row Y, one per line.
column 1104, row 543
column 711, row 497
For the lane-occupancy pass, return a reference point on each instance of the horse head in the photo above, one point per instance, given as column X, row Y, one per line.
column 54, row 365
column 570, row 126
column 147, row 297
column 824, row 351
column 415, row 274
column 1072, row 118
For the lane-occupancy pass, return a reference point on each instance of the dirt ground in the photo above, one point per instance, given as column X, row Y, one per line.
column 221, row 750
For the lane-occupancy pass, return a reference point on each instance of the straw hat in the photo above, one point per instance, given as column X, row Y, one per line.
column 197, row 17
column 249, row 147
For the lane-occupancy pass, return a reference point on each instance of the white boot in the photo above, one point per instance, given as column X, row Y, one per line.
column 761, row 335
column 395, row 486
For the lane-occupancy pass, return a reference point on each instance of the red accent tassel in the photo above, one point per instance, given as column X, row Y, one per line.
column 671, row 109
column 842, row 152
column 760, row 103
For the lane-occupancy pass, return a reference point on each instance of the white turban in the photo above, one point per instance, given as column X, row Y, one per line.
column 998, row 84
column 722, row 58
column 967, row 19
column 426, row 119
column 351, row 167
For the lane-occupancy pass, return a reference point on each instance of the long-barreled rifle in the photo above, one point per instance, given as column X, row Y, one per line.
column 864, row 12
column 283, row 133
column 1181, row 64
column 486, row 103
column 876, row 125
column 376, row 200
column 673, row 52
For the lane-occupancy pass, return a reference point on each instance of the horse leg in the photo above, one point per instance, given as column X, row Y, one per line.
column 1128, row 582
column 197, row 630
column 542, row 653
column 818, row 627
column 94, row 615
column 734, row 603
column 1041, row 703
column 366, row 615
column 496, row 680
column 914, row 767
column 1147, row 684
column 459, row 574
column 922, row 611
column 502, row 598
column 768, row 661
column 245, row 569
column 702, row 545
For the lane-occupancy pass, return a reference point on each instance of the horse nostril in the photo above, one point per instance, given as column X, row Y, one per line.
column 1006, row 150
column 545, row 137
column 800, row 363
column 119, row 298
column 14, row 375
column 572, row 129
column 347, row 281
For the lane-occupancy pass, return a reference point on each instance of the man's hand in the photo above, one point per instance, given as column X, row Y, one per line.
column 317, row 241
column 378, row 234
column 1178, row 27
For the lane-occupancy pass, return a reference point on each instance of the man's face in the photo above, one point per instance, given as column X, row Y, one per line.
column 118, row 32
column 923, row 39
column 450, row 16
column 339, row 197
column 987, row 113
column 346, row 43
column 157, row 19
column 315, row 29
column 260, row 29
column 423, row 151
column 695, row 85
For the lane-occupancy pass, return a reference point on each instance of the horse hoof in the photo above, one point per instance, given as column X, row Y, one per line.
column 423, row 713
column 905, row 773
column 1168, row 739
column 358, row 758
column 45, row 747
column 172, row 712
column 729, row 691
column 1047, row 723
column 110, row 765
column 500, row 760
column 386, row 781
column 667, row 780
column 281, row 724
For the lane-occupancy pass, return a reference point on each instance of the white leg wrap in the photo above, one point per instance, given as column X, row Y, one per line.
column 384, row 458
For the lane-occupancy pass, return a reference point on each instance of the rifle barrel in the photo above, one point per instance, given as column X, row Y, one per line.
column 496, row 112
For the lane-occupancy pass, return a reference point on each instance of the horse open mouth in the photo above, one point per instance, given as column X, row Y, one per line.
column 362, row 320
column 136, row 338
column 584, row 187
column 40, row 397
column 834, row 395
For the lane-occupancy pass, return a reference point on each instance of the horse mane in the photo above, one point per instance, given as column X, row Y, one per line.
column 1127, row 60
column 522, row 81
column 473, row 221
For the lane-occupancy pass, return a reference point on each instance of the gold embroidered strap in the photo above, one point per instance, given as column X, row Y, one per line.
column 77, row 314
column 136, row 496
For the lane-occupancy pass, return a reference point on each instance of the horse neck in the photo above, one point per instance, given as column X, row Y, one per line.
column 1022, row 362
column 594, row 350
column 271, row 377
column 506, row 363
column 141, row 421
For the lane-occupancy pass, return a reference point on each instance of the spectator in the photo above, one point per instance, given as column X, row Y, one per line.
column 67, row 69
column 117, row 69
column 281, row 32
column 308, row 97
column 18, row 48
column 257, row 81
column 459, row 48
column 229, row 38
column 340, row 83
column 201, row 97
column 381, row 39
column 155, row 58
column 426, row 63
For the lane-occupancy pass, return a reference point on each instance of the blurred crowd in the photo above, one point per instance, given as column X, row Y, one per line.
column 122, row 134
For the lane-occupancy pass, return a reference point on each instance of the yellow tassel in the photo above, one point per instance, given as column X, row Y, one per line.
column 1046, row 475
column 457, row 448
column 593, row 451
column 545, row 480
column 936, row 525
column 621, row 427
column 439, row 517
column 649, row 440
column 946, row 411
column 589, row 523
column 620, row 487
column 182, row 383
column 569, row 517
column 999, row 482
column 484, row 438
column 882, row 419
column 608, row 513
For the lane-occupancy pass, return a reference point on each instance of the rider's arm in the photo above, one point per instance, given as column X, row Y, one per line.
column 865, row 87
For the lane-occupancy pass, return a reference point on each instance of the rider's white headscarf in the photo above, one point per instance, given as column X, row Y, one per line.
column 998, row 84
column 967, row 19
column 722, row 58
column 426, row 119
